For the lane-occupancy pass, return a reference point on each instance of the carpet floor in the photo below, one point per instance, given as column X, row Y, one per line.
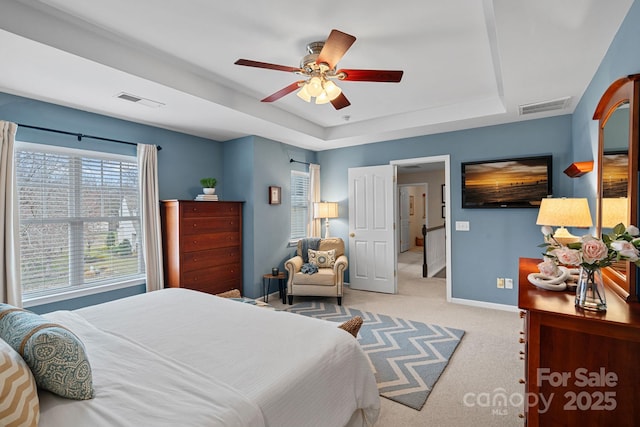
column 407, row 356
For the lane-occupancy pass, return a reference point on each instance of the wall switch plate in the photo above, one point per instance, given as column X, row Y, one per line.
column 508, row 283
column 500, row 282
column 462, row 225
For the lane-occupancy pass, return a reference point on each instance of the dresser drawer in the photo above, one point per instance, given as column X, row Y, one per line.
column 192, row 226
column 200, row 278
column 209, row 209
column 210, row 258
column 201, row 242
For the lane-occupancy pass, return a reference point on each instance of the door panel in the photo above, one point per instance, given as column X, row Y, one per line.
column 372, row 256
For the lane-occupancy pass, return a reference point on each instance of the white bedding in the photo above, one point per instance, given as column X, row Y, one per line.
column 296, row 370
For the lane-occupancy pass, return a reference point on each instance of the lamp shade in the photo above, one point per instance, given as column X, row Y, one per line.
column 325, row 210
column 614, row 211
column 565, row 212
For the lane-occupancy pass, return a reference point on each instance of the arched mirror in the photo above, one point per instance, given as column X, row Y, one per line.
column 617, row 113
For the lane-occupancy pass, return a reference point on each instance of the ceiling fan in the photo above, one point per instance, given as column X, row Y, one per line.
column 319, row 69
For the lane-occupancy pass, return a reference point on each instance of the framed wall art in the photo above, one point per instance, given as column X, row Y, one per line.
column 274, row 195
column 506, row 183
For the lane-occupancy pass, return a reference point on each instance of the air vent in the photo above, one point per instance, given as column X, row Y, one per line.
column 539, row 107
column 139, row 100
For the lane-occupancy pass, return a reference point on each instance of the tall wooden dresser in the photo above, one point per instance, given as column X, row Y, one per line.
column 202, row 245
column 582, row 367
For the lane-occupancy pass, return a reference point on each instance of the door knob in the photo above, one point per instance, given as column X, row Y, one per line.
column 352, row 235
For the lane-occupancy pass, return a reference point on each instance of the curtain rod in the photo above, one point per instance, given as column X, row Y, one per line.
column 80, row 135
column 298, row 161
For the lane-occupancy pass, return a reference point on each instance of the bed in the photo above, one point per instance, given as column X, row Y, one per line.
column 180, row 357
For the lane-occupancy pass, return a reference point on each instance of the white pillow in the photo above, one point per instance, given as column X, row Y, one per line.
column 323, row 259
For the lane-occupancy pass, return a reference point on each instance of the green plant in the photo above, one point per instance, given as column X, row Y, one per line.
column 208, row 182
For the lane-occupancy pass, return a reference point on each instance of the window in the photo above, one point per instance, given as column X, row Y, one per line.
column 79, row 219
column 299, row 205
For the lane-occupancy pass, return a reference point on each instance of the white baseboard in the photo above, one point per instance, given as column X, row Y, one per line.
column 484, row 304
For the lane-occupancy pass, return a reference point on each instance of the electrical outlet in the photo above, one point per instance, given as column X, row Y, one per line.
column 508, row 283
column 500, row 283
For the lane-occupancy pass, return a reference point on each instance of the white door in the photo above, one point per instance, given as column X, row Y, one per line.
column 372, row 254
column 404, row 219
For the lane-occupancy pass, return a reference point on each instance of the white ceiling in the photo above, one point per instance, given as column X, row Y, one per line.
column 467, row 63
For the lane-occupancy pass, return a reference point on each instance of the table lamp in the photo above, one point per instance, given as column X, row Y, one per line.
column 564, row 212
column 325, row 210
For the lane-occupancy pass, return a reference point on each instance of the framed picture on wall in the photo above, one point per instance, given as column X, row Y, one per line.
column 274, row 195
column 506, row 183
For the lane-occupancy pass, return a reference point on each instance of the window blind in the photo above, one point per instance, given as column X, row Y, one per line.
column 79, row 218
column 299, row 205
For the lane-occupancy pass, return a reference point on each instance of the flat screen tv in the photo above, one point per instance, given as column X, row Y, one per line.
column 506, row 183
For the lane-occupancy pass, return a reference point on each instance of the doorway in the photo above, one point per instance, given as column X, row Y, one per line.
column 435, row 173
column 412, row 215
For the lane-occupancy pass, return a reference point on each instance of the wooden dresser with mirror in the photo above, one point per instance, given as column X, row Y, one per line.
column 582, row 367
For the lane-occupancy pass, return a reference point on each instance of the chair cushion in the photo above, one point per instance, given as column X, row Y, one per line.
column 324, row 277
column 323, row 259
column 325, row 245
column 332, row 243
column 19, row 403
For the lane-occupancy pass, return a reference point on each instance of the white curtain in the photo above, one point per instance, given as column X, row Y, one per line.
column 10, row 288
column 150, row 214
column 314, row 196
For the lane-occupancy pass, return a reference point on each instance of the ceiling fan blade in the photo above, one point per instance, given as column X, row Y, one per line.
column 335, row 47
column 258, row 64
column 340, row 102
column 282, row 92
column 389, row 76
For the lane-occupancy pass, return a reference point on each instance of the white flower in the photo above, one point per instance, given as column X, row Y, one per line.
column 633, row 230
column 546, row 230
column 625, row 249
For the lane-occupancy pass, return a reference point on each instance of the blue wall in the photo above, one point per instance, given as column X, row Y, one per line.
column 183, row 160
column 498, row 237
column 622, row 59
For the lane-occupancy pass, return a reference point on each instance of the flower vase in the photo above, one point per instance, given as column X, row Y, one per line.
column 590, row 290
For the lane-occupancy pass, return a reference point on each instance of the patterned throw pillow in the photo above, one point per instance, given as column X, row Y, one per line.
column 323, row 259
column 57, row 357
column 19, row 404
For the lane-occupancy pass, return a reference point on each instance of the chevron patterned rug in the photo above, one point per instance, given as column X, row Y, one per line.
column 407, row 357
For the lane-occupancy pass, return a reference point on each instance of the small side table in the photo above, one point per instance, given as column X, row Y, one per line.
column 266, row 284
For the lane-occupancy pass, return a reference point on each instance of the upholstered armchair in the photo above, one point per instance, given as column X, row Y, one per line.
column 328, row 281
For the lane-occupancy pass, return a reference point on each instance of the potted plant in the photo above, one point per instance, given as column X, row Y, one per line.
column 208, row 185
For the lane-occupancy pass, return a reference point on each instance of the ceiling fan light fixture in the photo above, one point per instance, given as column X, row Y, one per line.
column 323, row 98
column 314, row 86
column 303, row 94
column 332, row 90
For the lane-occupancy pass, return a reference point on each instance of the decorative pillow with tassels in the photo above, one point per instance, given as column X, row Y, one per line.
column 56, row 357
